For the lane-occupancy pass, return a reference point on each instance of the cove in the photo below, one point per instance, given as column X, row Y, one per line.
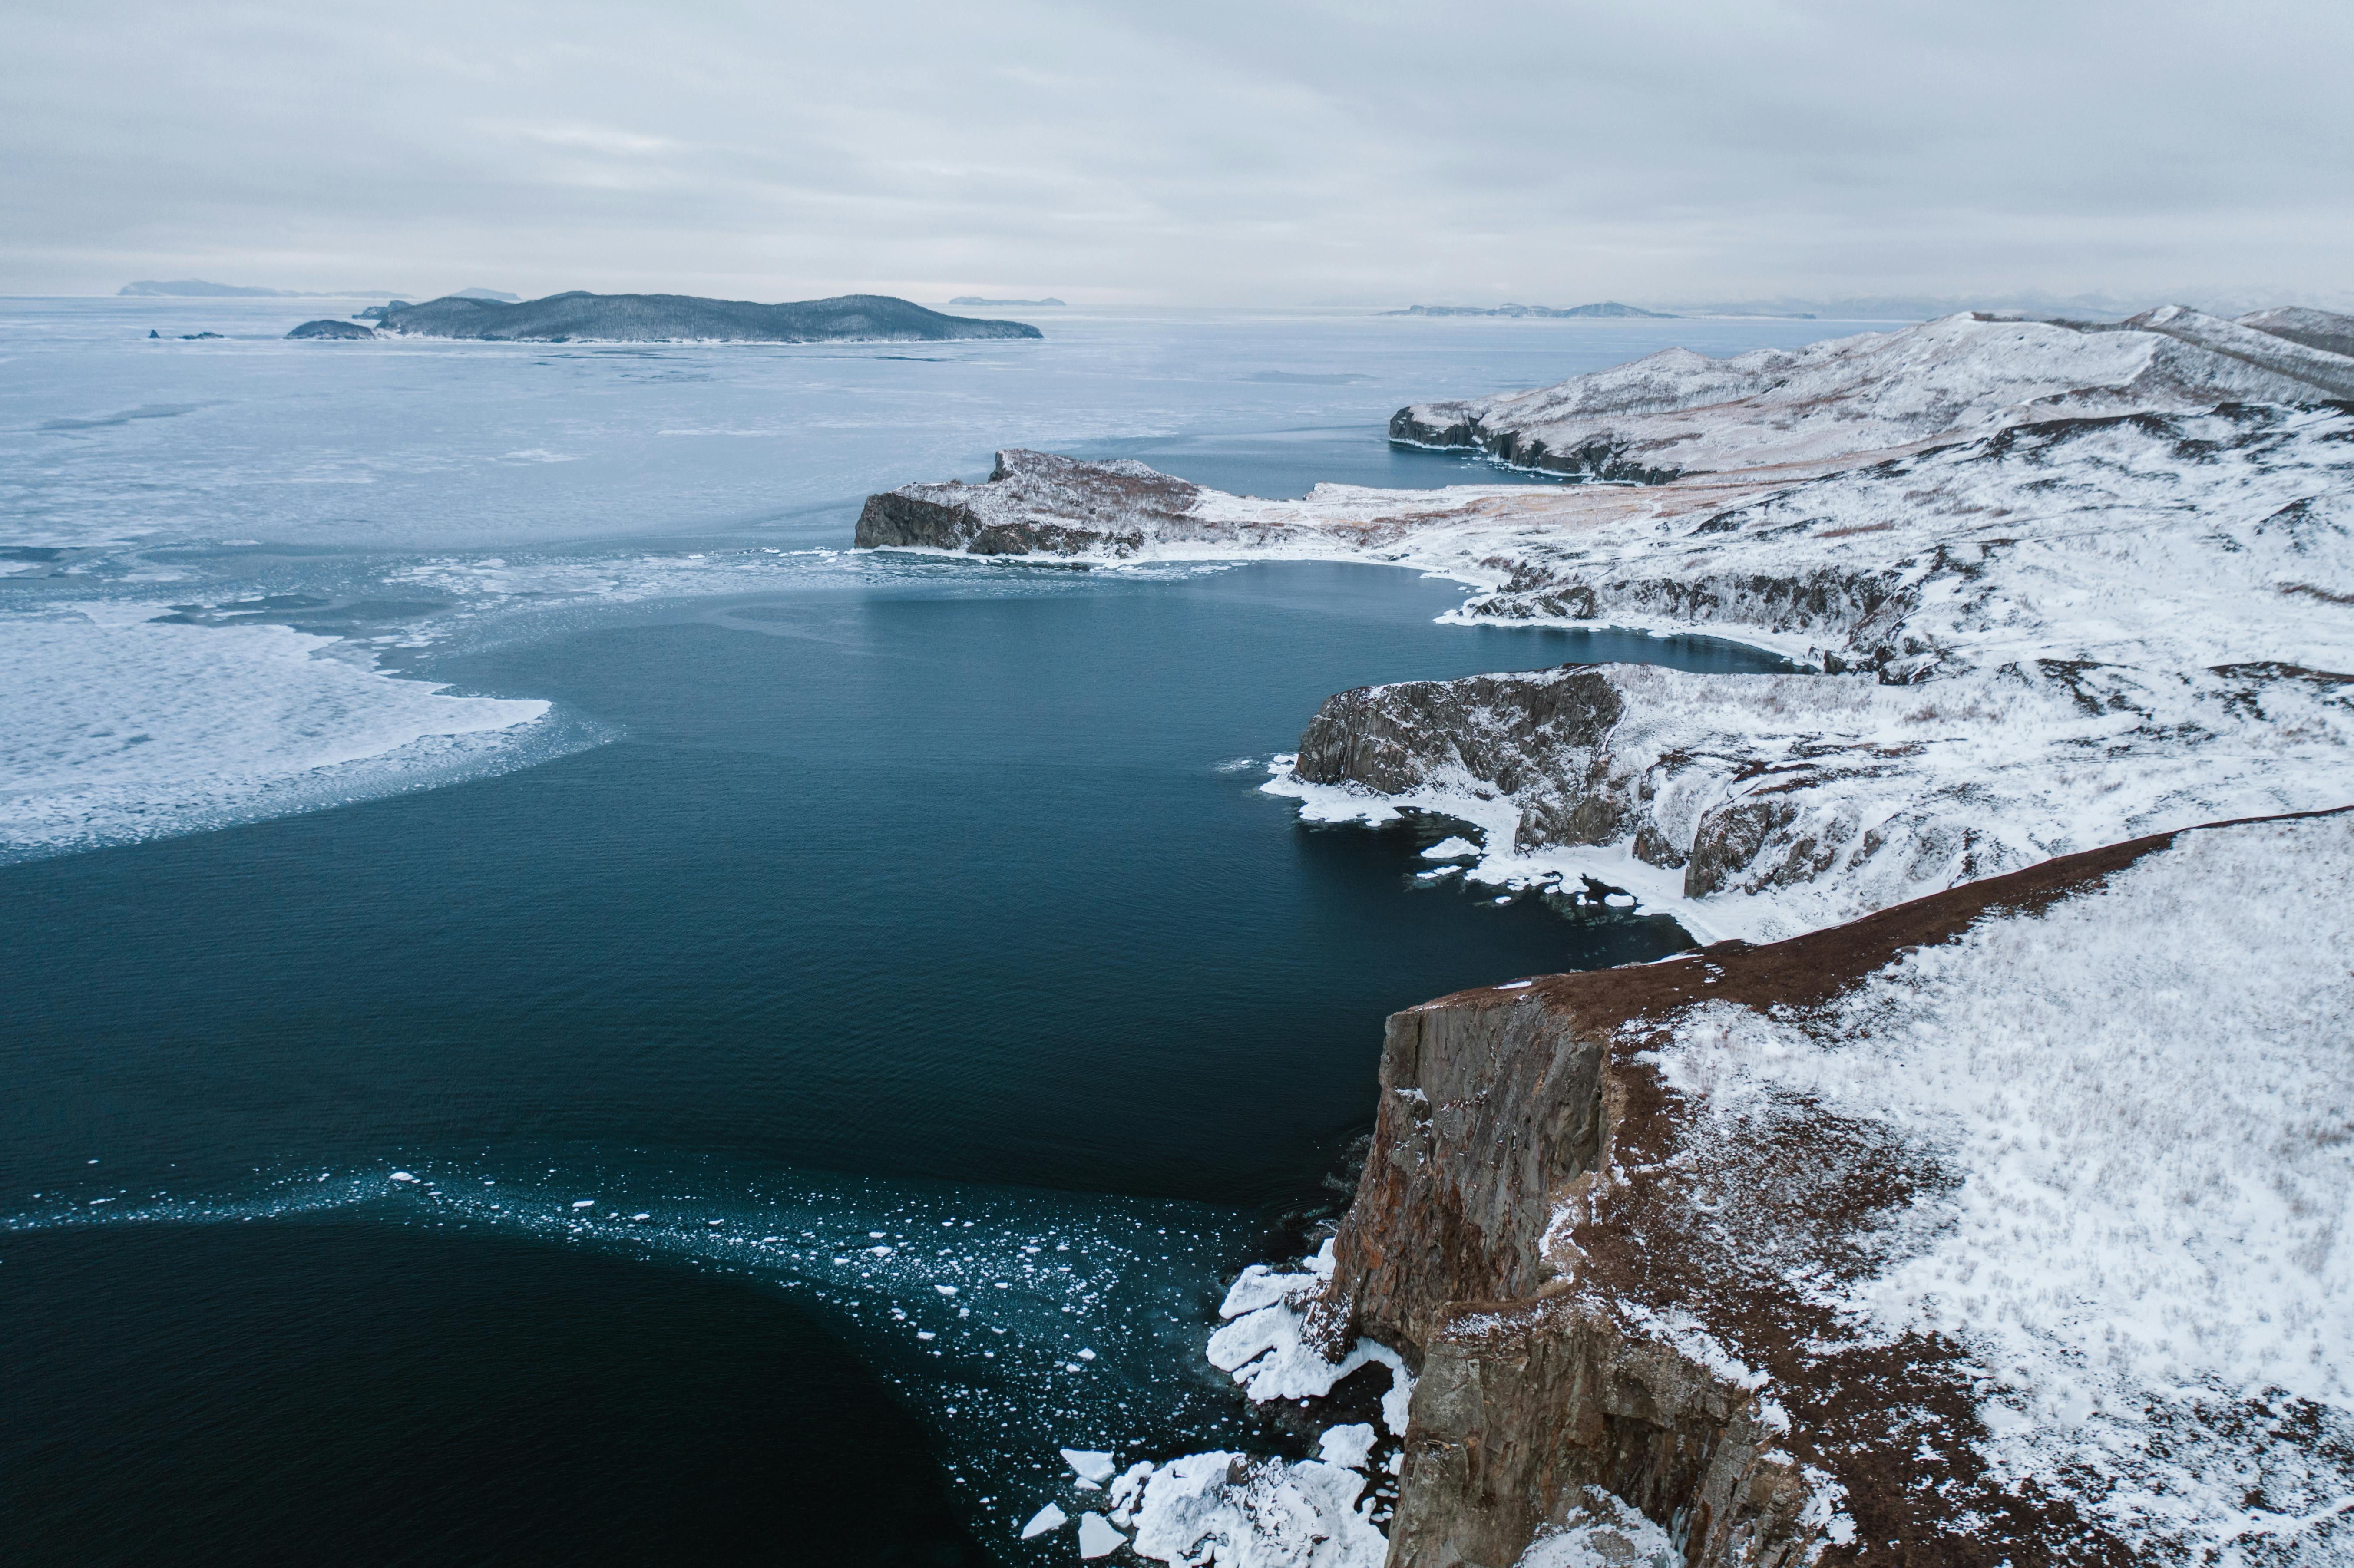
column 945, row 876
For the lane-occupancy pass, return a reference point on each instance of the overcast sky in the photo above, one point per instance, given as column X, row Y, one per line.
column 1203, row 153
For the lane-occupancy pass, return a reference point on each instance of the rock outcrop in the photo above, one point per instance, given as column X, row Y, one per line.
column 329, row 328
column 664, row 318
column 1033, row 504
column 1609, row 1281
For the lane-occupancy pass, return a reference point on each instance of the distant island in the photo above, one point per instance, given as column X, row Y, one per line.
column 977, row 300
column 1610, row 308
column 197, row 289
column 670, row 318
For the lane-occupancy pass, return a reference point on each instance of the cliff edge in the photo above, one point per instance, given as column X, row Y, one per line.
column 1789, row 1248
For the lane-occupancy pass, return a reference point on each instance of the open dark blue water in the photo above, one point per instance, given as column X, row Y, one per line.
column 764, row 1134
column 880, row 895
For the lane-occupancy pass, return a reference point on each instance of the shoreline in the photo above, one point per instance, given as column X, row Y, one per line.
column 2074, row 647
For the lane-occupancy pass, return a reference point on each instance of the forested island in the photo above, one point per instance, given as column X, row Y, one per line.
column 581, row 316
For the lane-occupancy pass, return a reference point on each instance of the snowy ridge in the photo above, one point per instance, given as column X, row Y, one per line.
column 2139, row 1235
column 1677, row 412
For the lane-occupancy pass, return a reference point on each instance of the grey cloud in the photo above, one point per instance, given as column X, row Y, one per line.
column 1212, row 152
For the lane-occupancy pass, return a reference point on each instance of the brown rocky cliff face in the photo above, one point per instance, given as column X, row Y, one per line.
column 1531, row 1221
column 1494, row 1105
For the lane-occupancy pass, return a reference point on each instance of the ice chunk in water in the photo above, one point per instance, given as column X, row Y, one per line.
column 1346, row 1446
column 1045, row 1519
column 1096, row 1537
column 1090, row 1464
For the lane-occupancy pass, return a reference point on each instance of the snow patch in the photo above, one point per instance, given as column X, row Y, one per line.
column 1603, row 1531
column 1246, row 1512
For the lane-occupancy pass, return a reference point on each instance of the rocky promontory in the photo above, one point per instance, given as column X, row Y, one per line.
column 581, row 317
column 1976, row 1194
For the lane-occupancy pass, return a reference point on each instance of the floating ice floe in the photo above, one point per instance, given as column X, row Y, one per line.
column 117, row 725
column 1096, row 1537
column 1090, row 1464
column 1045, row 1519
column 1261, row 1346
column 1346, row 1446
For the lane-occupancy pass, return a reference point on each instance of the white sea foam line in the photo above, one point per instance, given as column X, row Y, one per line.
column 114, row 727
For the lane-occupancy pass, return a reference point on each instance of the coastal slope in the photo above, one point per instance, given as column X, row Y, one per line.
column 1899, row 1242
column 664, row 318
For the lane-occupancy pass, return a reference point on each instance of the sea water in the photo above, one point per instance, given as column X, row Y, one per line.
column 812, row 1048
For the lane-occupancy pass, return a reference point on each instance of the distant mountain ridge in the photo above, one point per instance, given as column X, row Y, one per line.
column 1609, row 308
column 977, row 300
column 667, row 318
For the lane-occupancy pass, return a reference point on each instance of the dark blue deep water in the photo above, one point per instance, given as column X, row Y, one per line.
column 767, row 1132
column 880, row 898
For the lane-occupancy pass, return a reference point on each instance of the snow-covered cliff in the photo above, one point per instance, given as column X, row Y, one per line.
column 1992, row 1209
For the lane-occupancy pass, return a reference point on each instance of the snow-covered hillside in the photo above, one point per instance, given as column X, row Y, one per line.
column 1677, row 412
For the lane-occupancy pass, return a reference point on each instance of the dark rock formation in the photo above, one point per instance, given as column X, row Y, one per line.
column 1543, row 740
column 331, row 328
column 664, row 318
column 1526, row 1231
column 1603, row 457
